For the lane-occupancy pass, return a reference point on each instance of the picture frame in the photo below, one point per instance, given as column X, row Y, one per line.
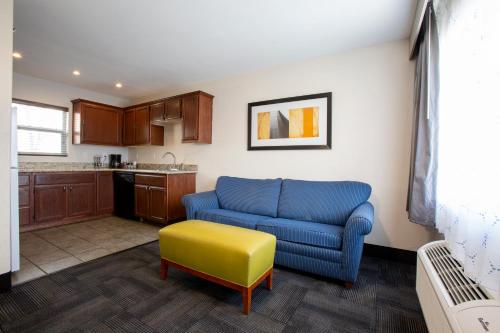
column 292, row 123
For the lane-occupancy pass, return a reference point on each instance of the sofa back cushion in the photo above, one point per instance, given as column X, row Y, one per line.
column 321, row 201
column 252, row 196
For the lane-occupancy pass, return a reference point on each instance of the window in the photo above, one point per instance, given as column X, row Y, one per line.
column 41, row 129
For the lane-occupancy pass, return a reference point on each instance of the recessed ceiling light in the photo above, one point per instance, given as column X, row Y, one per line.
column 118, row 85
column 76, row 72
column 17, row 55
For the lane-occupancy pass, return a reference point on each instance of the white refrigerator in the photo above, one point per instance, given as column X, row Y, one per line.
column 14, row 196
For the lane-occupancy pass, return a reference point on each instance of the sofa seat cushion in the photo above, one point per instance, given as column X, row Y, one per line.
column 252, row 196
column 320, row 201
column 304, row 232
column 230, row 217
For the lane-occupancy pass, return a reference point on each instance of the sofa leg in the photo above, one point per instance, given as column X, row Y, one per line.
column 163, row 269
column 348, row 285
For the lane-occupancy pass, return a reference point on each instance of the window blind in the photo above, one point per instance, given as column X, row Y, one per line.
column 41, row 129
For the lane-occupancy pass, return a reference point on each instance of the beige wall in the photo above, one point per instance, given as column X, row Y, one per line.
column 38, row 90
column 372, row 107
column 6, row 22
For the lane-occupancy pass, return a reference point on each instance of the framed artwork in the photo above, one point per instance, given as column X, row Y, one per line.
column 302, row 122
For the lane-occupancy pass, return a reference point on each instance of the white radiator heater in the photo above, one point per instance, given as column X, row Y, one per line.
column 450, row 301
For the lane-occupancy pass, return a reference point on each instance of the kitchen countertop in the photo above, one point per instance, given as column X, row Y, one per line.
column 163, row 172
column 164, row 169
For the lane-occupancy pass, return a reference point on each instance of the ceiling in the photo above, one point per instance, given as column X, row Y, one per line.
column 157, row 45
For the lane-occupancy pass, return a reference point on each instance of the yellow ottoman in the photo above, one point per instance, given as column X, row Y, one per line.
column 234, row 257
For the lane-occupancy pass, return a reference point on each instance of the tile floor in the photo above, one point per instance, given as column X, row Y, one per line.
column 50, row 250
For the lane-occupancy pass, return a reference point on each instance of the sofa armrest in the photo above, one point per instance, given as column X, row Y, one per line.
column 358, row 225
column 199, row 201
column 361, row 220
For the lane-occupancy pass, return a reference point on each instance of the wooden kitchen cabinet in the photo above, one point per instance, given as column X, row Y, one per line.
column 141, row 200
column 167, row 109
column 138, row 130
column 96, row 123
column 129, row 127
column 197, row 117
column 25, row 199
column 81, row 200
column 178, row 186
column 48, row 199
column 150, row 203
column 142, row 125
column 105, row 192
column 158, row 197
column 157, row 111
column 157, row 204
column 190, row 118
column 60, row 197
column 150, row 197
column 50, row 203
column 173, row 108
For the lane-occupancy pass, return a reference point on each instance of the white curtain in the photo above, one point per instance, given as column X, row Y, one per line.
column 468, row 183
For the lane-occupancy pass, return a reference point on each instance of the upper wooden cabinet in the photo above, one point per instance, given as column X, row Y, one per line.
column 129, row 127
column 137, row 128
column 95, row 123
column 157, row 111
column 173, row 108
column 167, row 109
column 197, row 117
column 142, row 125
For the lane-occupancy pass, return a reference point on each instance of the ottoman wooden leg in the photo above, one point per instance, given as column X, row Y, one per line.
column 247, row 300
column 163, row 269
column 269, row 280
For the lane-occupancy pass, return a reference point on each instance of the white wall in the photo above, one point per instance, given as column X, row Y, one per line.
column 6, row 22
column 372, row 108
column 39, row 90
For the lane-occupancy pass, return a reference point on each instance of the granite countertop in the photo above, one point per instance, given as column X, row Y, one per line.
column 79, row 167
column 164, row 172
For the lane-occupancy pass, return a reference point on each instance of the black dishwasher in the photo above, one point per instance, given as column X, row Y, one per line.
column 124, row 194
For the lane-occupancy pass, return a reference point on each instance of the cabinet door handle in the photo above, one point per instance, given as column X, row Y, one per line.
column 64, row 188
column 71, row 188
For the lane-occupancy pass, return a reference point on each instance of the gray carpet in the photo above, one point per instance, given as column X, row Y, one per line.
column 123, row 293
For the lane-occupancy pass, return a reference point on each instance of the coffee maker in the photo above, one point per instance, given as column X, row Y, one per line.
column 115, row 160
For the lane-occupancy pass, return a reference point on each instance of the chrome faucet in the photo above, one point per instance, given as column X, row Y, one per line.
column 175, row 160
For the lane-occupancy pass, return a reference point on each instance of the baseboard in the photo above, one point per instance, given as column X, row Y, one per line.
column 5, row 282
column 390, row 253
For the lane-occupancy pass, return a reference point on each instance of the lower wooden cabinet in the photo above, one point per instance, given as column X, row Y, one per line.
column 150, row 203
column 48, row 199
column 105, row 192
column 141, row 201
column 157, row 204
column 65, row 195
column 50, row 203
column 158, row 197
column 81, row 199
column 25, row 199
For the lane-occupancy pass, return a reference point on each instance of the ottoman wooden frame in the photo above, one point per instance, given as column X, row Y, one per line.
column 246, row 292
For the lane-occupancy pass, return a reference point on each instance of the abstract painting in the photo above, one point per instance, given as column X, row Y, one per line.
column 302, row 122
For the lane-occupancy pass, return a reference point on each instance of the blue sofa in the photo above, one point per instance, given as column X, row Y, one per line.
column 319, row 225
